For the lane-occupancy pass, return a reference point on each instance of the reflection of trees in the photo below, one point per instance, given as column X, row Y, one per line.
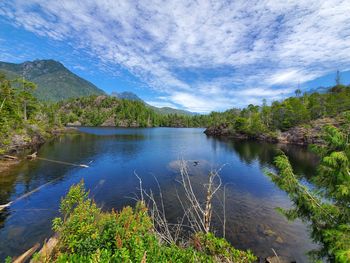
column 302, row 160
column 73, row 148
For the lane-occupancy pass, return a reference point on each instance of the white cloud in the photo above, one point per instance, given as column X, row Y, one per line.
column 290, row 76
column 264, row 43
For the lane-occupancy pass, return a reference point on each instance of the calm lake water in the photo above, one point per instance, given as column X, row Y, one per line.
column 114, row 154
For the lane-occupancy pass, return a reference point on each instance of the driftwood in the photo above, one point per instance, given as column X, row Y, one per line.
column 10, row 157
column 47, row 249
column 26, row 255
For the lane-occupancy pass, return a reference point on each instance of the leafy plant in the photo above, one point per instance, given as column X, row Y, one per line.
column 86, row 234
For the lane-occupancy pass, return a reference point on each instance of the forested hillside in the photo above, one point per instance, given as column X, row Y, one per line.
column 54, row 81
column 296, row 119
column 111, row 111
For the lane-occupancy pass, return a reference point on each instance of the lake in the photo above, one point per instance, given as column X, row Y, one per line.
column 114, row 155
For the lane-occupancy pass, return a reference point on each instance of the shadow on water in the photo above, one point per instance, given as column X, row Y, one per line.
column 114, row 154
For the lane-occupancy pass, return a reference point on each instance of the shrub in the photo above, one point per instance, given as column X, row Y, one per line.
column 87, row 234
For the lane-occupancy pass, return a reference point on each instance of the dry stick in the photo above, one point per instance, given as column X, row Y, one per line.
column 184, row 172
column 140, row 181
column 276, row 255
column 162, row 203
column 186, row 212
column 191, row 196
column 210, row 194
column 224, row 211
column 198, row 215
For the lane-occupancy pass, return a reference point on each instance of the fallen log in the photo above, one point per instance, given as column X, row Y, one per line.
column 46, row 251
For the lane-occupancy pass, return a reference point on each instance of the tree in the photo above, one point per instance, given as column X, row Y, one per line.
column 338, row 78
column 26, row 89
column 327, row 207
column 297, row 92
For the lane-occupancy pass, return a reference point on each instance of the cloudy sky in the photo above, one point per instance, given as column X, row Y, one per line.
column 194, row 55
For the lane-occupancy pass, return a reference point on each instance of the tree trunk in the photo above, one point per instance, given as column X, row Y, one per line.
column 25, row 111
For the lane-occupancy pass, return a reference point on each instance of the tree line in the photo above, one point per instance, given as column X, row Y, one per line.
column 283, row 115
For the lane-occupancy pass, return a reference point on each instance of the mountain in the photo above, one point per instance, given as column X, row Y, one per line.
column 168, row 110
column 126, row 95
column 54, row 81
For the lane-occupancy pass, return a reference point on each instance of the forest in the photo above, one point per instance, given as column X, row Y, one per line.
column 267, row 121
column 110, row 111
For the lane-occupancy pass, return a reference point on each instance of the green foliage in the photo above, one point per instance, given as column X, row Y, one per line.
column 21, row 114
column 220, row 249
column 104, row 110
column 283, row 115
column 327, row 207
column 86, row 234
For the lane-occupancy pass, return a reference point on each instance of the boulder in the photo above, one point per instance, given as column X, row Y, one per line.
column 76, row 123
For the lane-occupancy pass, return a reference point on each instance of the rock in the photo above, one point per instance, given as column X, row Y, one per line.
column 76, row 123
column 109, row 122
column 99, row 99
column 279, row 240
column 220, row 130
column 269, row 232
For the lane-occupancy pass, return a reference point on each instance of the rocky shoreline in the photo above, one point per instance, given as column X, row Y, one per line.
column 300, row 135
column 21, row 145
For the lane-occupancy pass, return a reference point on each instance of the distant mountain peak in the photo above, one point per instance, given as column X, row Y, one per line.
column 127, row 95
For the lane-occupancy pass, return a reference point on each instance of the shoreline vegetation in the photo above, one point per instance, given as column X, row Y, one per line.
column 26, row 122
column 296, row 120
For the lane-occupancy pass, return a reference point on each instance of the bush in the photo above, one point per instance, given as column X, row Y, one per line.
column 87, row 234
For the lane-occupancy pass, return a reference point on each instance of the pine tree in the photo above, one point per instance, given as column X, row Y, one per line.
column 327, row 207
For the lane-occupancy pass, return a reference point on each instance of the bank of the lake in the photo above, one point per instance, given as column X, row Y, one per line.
column 303, row 135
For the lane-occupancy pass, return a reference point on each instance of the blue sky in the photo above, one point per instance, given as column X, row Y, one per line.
column 194, row 55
